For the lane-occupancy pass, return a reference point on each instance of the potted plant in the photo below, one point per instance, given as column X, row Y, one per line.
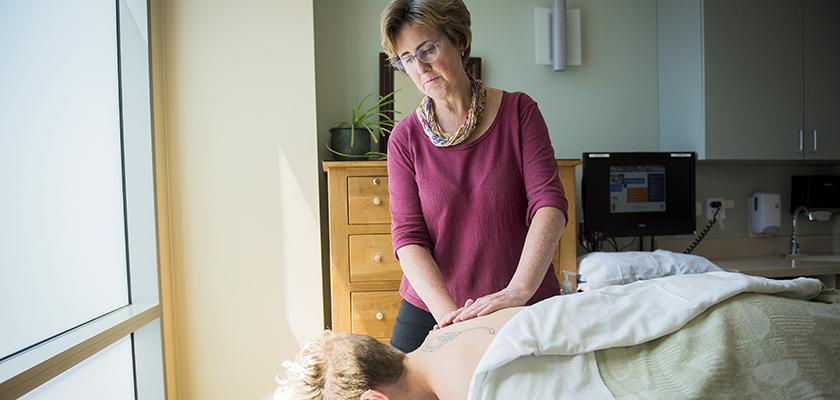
column 350, row 140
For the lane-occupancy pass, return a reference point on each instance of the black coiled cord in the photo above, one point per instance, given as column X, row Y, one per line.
column 705, row 230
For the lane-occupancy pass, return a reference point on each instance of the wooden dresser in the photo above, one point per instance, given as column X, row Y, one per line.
column 364, row 274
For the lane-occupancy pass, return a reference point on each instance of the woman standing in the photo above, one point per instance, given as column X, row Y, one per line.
column 477, row 208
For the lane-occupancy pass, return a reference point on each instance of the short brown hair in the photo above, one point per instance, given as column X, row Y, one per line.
column 447, row 16
column 339, row 366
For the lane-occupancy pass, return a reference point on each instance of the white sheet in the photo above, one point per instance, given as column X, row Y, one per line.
column 546, row 351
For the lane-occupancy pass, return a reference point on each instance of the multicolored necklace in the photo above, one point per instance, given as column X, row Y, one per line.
column 426, row 115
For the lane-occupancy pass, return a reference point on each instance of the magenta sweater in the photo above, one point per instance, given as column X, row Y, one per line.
column 471, row 204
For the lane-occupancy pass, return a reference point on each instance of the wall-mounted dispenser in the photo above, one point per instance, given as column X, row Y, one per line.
column 821, row 195
column 817, row 192
column 765, row 213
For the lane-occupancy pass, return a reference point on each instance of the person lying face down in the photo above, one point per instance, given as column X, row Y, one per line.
column 349, row 366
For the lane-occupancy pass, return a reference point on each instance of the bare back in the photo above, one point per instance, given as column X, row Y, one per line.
column 450, row 355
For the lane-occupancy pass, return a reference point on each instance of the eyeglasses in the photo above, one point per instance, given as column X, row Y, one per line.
column 427, row 52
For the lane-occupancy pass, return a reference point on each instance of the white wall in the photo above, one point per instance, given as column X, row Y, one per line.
column 240, row 127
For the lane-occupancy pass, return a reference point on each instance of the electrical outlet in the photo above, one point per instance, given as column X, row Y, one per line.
column 728, row 204
column 710, row 211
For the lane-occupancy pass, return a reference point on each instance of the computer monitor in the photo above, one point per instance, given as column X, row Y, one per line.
column 638, row 194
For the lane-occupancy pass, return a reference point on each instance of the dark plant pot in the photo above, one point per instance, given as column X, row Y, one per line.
column 340, row 142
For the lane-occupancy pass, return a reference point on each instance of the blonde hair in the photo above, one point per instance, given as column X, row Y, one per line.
column 339, row 366
column 450, row 17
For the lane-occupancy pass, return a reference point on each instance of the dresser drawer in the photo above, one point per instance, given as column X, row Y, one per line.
column 372, row 259
column 373, row 313
column 367, row 200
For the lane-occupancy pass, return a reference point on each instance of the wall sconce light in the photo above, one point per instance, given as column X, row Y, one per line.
column 557, row 36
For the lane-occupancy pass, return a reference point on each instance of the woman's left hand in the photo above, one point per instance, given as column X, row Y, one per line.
column 505, row 298
column 449, row 318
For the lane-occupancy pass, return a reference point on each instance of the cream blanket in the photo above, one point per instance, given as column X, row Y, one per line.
column 547, row 350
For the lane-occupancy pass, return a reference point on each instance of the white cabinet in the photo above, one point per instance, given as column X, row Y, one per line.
column 821, row 77
column 750, row 79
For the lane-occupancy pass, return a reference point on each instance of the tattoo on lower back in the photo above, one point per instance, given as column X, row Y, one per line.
column 434, row 343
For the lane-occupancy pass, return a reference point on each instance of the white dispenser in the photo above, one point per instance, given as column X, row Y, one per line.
column 765, row 213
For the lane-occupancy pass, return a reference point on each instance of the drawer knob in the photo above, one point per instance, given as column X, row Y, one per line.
column 377, row 258
column 379, row 316
column 377, row 201
column 376, row 181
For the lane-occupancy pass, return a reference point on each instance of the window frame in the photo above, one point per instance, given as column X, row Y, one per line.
column 141, row 318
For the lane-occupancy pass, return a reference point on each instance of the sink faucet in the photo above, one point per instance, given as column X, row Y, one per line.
column 794, row 237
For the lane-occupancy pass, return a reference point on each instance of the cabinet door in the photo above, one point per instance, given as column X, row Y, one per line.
column 753, row 79
column 822, row 79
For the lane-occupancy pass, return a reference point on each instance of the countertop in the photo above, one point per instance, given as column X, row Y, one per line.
column 778, row 266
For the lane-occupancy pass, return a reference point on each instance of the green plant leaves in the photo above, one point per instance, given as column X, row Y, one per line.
column 367, row 116
column 364, row 115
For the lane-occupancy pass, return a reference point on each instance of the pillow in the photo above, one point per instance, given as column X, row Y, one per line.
column 600, row 269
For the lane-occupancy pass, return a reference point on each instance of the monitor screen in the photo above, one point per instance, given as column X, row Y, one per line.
column 638, row 194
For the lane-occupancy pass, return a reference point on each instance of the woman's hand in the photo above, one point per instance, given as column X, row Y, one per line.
column 505, row 298
column 449, row 318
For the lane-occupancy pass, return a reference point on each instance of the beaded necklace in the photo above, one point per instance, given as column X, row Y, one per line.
column 426, row 115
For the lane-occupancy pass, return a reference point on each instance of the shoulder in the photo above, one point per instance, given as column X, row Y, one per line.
column 404, row 130
column 516, row 102
column 519, row 97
